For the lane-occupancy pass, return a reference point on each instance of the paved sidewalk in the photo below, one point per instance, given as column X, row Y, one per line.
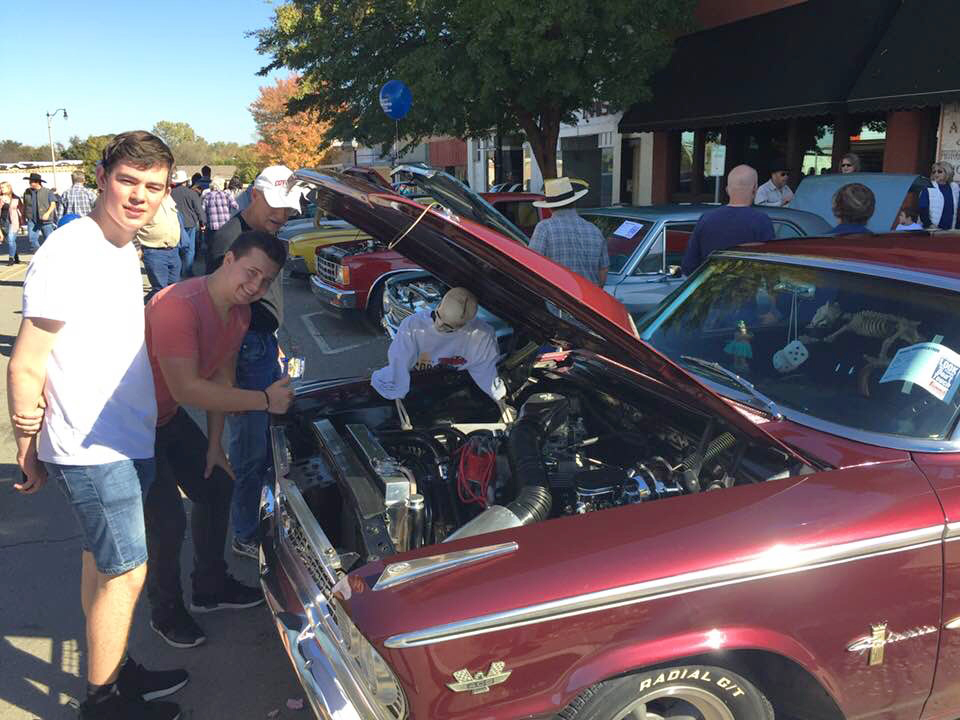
column 241, row 672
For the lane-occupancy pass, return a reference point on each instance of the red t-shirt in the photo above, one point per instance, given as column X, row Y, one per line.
column 182, row 322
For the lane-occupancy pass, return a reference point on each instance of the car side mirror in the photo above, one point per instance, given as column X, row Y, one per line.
column 673, row 271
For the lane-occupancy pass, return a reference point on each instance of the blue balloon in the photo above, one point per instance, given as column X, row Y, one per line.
column 395, row 99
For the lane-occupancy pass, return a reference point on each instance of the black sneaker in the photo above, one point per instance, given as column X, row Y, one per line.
column 118, row 707
column 232, row 596
column 135, row 681
column 247, row 549
column 179, row 629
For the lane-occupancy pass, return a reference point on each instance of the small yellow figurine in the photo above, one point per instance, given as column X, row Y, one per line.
column 740, row 347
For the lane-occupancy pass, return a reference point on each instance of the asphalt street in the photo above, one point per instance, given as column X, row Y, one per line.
column 242, row 670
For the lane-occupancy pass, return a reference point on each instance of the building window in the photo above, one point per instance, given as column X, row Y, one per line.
column 606, row 176
column 686, row 162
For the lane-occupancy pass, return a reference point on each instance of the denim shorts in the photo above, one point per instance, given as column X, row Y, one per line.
column 107, row 501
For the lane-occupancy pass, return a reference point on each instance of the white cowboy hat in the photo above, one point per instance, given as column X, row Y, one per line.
column 559, row 192
column 179, row 177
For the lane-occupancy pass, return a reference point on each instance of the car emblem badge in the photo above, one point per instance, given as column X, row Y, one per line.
column 876, row 642
column 479, row 682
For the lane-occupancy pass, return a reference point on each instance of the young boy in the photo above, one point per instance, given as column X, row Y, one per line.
column 81, row 349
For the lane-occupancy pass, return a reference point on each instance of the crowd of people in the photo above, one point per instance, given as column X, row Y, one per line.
column 97, row 385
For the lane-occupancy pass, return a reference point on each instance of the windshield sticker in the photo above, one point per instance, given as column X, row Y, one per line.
column 934, row 367
column 628, row 229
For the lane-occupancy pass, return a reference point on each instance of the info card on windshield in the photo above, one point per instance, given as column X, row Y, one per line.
column 934, row 367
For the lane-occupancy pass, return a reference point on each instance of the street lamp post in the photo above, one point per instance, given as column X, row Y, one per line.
column 53, row 156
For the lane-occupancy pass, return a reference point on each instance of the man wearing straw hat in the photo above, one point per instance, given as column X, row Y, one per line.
column 565, row 237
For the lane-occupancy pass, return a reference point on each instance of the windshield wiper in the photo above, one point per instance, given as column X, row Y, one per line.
column 769, row 405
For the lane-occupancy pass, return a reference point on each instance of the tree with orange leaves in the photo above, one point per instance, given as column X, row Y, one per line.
column 295, row 140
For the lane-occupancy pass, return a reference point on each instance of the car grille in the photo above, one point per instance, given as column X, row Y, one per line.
column 305, row 552
column 327, row 270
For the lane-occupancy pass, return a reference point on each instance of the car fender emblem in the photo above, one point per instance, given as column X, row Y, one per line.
column 479, row 682
column 875, row 643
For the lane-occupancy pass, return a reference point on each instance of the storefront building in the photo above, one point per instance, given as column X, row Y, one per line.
column 801, row 81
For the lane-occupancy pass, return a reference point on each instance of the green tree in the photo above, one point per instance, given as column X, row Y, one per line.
column 90, row 151
column 472, row 65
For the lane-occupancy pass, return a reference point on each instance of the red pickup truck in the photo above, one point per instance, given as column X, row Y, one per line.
column 350, row 276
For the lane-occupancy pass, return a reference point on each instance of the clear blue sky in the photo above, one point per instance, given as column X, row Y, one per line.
column 125, row 65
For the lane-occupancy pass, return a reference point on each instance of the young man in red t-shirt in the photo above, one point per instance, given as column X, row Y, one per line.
column 194, row 331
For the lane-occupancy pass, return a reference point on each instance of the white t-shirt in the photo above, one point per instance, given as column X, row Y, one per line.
column 420, row 345
column 101, row 405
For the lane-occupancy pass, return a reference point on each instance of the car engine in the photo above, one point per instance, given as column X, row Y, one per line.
column 377, row 489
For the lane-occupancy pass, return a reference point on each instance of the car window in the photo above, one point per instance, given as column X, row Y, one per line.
column 624, row 236
column 677, row 236
column 870, row 353
column 783, row 229
column 521, row 213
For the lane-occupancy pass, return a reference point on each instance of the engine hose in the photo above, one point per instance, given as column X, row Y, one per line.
column 440, row 457
column 691, row 465
column 532, row 504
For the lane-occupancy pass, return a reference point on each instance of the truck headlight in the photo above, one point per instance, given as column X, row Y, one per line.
column 343, row 275
column 371, row 669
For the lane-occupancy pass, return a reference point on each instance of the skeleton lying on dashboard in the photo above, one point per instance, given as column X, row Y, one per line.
column 868, row 324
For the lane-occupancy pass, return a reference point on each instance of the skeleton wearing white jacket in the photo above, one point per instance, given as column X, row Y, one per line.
column 453, row 337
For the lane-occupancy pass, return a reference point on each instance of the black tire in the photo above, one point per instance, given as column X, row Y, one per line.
column 373, row 315
column 688, row 691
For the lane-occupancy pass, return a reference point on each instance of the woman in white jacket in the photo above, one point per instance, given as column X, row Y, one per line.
column 938, row 204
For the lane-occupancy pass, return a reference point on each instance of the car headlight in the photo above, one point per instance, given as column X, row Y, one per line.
column 343, row 275
column 371, row 669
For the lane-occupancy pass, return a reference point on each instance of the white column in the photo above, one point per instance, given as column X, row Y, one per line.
column 643, row 170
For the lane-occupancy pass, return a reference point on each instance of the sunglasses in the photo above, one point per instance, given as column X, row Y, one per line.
column 845, row 165
column 442, row 326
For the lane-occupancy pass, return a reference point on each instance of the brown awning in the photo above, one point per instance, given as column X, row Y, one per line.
column 799, row 61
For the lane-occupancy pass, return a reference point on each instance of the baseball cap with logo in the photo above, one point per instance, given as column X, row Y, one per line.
column 278, row 187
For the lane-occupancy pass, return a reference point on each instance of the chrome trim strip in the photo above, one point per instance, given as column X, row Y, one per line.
column 953, row 624
column 404, row 572
column 775, row 561
column 305, row 388
column 951, row 531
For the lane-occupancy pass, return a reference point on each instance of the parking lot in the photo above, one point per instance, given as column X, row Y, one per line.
column 242, row 671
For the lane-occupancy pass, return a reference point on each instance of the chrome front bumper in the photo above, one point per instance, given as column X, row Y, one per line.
column 332, row 295
column 302, row 614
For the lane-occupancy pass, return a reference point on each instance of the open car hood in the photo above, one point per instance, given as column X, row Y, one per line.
column 458, row 198
column 815, row 194
column 516, row 284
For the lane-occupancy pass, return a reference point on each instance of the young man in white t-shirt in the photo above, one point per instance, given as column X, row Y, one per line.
column 80, row 352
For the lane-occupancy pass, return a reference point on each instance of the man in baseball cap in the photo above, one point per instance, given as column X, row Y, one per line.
column 265, row 207
column 190, row 209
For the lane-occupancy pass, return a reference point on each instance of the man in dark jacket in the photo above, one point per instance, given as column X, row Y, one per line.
column 39, row 207
column 188, row 205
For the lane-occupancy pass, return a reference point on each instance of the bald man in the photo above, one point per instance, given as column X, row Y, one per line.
column 735, row 223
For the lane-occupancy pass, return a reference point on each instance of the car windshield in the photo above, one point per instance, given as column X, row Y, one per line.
column 874, row 354
column 623, row 235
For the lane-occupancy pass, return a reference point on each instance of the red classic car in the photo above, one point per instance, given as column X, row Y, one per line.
column 351, row 275
column 748, row 507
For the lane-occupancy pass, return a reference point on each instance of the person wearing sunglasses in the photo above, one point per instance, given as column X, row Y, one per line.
column 849, row 163
column 453, row 337
column 938, row 204
column 775, row 192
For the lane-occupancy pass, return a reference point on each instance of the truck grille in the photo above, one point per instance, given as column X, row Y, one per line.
column 327, row 269
column 398, row 313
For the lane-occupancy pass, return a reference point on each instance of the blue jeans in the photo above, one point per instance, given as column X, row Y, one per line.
column 107, row 501
column 163, row 267
column 11, row 237
column 188, row 249
column 34, row 231
column 257, row 368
